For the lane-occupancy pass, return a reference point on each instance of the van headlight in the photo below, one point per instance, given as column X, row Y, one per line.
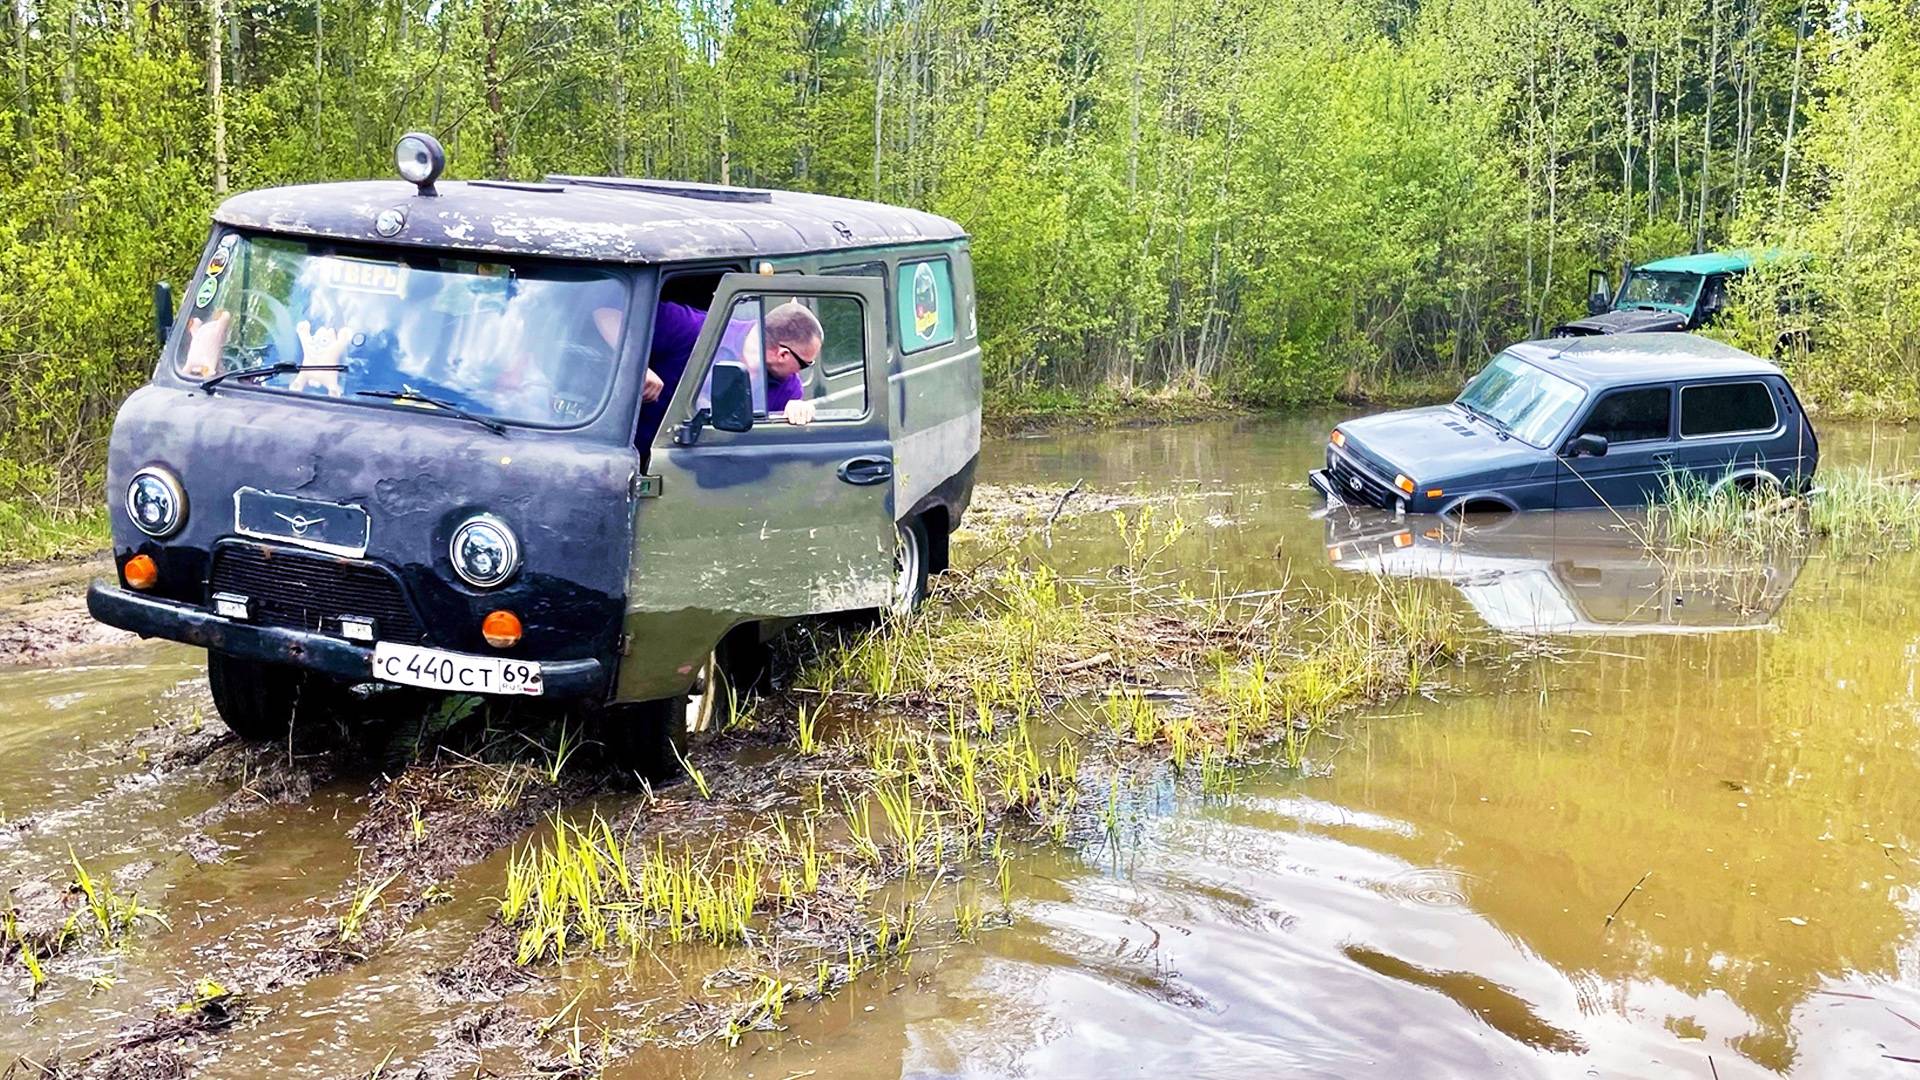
column 485, row 552
column 156, row 502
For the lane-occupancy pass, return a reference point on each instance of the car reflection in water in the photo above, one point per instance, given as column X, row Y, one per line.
column 1569, row 572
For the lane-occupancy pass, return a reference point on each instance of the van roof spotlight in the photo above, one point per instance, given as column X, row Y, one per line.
column 420, row 159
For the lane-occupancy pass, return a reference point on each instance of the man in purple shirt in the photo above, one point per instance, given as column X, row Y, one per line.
column 791, row 341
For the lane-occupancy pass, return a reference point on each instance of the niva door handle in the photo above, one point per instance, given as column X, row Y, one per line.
column 866, row 470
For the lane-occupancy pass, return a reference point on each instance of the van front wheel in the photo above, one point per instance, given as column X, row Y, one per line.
column 255, row 699
column 909, row 567
column 650, row 738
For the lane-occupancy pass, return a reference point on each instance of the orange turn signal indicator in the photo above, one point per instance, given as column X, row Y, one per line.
column 140, row 572
column 1434, row 493
column 1404, row 483
column 501, row 629
column 1338, row 438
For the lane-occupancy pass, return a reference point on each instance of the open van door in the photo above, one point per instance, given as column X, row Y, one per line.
column 745, row 517
column 1599, row 292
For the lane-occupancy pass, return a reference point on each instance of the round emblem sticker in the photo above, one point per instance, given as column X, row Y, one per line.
column 205, row 295
column 221, row 255
column 926, row 301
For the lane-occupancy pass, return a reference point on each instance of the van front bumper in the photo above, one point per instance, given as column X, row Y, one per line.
column 151, row 616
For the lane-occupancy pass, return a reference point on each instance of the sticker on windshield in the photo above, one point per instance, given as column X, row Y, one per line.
column 360, row 275
column 205, row 295
column 222, row 255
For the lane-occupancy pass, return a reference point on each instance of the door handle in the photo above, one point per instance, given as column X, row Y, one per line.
column 863, row 471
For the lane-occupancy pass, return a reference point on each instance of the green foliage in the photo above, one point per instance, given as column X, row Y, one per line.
column 31, row 534
column 1281, row 201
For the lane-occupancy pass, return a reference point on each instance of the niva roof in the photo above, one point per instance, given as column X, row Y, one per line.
column 1604, row 360
column 612, row 219
column 1710, row 262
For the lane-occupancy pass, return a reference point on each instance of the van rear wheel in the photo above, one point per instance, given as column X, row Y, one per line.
column 909, row 567
column 255, row 699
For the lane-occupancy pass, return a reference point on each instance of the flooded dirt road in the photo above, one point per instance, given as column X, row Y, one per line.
column 1662, row 827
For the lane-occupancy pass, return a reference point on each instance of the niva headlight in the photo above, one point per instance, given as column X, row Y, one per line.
column 156, row 502
column 485, row 552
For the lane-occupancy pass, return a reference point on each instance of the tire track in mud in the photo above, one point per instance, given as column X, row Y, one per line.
column 419, row 825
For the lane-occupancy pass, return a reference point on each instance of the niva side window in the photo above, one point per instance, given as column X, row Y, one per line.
column 1626, row 416
column 1726, row 409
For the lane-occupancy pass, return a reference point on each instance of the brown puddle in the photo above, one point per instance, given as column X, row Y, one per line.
column 1430, row 898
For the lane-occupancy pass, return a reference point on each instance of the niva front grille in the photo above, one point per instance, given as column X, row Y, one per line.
column 1356, row 486
column 299, row 590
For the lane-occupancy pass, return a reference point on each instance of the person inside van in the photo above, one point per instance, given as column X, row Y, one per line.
column 790, row 343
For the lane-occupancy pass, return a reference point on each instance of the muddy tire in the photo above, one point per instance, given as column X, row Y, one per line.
column 256, row 700
column 649, row 739
column 910, row 563
column 644, row 740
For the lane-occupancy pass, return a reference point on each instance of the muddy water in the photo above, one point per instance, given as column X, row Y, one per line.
column 1449, row 890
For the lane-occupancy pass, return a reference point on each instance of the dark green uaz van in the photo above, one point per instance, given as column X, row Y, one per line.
column 583, row 439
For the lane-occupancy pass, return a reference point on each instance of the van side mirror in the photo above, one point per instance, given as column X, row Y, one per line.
column 1588, row 445
column 732, row 398
column 162, row 311
column 1599, row 292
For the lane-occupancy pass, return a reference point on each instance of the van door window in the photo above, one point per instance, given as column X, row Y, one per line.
column 924, row 293
column 780, row 340
column 1627, row 416
column 1726, row 409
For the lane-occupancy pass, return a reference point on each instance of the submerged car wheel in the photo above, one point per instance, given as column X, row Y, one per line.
column 909, row 567
column 258, row 700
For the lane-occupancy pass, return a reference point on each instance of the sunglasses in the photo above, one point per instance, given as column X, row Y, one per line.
column 797, row 358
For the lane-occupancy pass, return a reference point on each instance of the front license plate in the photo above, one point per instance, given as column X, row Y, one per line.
column 411, row 665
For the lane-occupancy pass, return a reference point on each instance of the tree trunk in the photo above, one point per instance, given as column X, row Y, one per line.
column 1793, row 108
column 1706, row 129
column 216, row 33
column 492, row 27
column 1626, row 154
column 319, row 69
column 22, row 63
column 619, row 94
column 880, row 51
column 1653, row 133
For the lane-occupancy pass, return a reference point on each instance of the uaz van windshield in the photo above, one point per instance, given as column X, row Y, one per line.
column 529, row 345
column 1522, row 400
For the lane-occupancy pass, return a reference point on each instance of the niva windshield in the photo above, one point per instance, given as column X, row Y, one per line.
column 1520, row 399
column 529, row 345
column 1660, row 289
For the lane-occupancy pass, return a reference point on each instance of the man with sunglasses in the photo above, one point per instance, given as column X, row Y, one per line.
column 794, row 336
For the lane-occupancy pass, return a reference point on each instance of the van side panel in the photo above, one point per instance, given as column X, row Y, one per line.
column 935, row 399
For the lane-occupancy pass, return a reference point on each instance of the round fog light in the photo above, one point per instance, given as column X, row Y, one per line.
column 140, row 572
column 419, row 159
column 501, row 629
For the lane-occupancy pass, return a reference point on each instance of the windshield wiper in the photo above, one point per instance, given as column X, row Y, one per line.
column 265, row 370
column 446, row 406
column 1493, row 422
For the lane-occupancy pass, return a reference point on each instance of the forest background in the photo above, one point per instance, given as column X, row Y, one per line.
column 1265, row 201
